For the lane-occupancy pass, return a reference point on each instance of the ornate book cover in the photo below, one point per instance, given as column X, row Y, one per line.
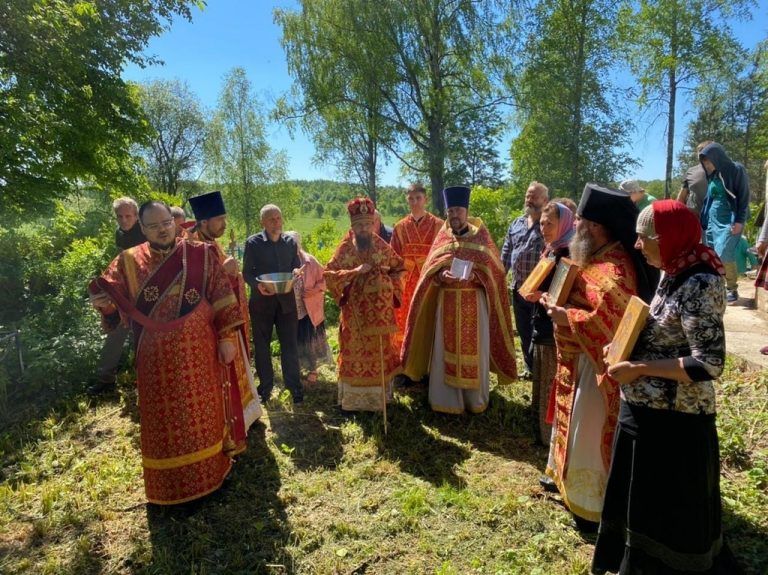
column 628, row 331
column 565, row 273
column 537, row 276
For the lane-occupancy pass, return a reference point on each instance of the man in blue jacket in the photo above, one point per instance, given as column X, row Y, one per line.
column 725, row 210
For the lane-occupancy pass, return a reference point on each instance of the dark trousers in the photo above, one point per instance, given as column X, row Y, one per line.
column 112, row 352
column 524, row 326
column 265, row 316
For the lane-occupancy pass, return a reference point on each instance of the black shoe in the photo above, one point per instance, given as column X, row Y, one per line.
column 547, row 484
column 585, row 525
column 264, row 397
column 298, row 400
column 101, row 388
column 403, row 380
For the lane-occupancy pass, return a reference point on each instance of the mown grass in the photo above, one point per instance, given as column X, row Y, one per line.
column 319, row 493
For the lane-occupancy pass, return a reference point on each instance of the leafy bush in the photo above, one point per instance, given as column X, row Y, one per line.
column 495, row 208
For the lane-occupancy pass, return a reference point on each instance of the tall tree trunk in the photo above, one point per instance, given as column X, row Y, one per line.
column 670, row 132
column 436, row 163
column 370, row 160
column 578, row 94
column 671, row 110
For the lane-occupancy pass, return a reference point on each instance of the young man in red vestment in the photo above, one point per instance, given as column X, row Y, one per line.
column 211, row 223
column 411, row 240
column 180, row 304
column 460, row 329
column 364, row 277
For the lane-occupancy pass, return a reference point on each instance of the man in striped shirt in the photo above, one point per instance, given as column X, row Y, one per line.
column 520, row 253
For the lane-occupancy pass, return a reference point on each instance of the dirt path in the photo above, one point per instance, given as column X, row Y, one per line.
column 746, row 328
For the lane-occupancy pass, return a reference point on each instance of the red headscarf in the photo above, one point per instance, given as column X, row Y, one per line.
column 679, row 234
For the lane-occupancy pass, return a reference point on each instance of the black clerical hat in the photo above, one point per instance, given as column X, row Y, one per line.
column 207, row 206
column 456, row 197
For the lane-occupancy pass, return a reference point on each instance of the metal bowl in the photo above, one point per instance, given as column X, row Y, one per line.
column 277, row 282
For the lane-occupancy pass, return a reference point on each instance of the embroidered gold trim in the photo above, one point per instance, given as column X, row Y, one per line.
column 182, row 460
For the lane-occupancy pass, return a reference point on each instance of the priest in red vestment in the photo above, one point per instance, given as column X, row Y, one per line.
column 459, row 330
column 211, row 223
column 364, row 277
column 180, row 303
column 584, row 399
column 411, row 240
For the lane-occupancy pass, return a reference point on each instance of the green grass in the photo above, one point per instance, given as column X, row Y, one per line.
column 305, row 224
column 319, row 494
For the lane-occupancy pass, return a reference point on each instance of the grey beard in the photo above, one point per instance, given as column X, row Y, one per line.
column 532, row 210
column 581, row 249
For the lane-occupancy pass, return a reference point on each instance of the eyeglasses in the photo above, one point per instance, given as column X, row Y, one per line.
column 165, row 224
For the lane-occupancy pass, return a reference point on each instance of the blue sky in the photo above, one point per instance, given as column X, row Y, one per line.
column 231, row 33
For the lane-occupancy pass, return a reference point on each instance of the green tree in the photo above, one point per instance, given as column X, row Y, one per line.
column 570, row 131
column 240, row 158
column 429, row 62
column 65, row 113
column 175, row 149
column 337, row 99
column 732, row 108
column 673, row 44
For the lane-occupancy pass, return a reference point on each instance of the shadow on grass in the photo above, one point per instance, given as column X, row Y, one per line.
column 242, row 528
column 308, row 433
column 504, row 429
column 748, row 543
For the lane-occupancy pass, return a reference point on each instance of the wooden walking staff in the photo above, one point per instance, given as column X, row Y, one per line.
column 383, row 382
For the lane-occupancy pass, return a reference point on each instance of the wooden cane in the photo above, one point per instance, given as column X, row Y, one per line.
column 383, row 382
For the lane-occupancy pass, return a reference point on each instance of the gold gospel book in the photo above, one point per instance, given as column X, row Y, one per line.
column 628, row 331
column 565, row 273
column 536, row 277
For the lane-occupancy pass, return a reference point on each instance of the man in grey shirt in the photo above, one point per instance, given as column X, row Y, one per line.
column 694, row 188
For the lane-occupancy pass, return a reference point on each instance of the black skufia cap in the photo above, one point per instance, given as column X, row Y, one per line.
column 207, row 206
column 456, row 197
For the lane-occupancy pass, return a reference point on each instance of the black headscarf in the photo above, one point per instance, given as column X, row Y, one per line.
column 614, row 210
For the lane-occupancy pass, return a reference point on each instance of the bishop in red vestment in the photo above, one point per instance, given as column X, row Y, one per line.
column 364, row 277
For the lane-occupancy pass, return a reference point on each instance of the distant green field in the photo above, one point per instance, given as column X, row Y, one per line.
column 305, row 224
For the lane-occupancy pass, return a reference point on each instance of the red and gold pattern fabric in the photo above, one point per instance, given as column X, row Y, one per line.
column 244, row 404
column 477, row 246
column 411, row 240
column 461, row 337
column 595, row 306
column 180, row 380
column 367, row 304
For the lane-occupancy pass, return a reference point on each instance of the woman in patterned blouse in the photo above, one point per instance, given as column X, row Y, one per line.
column 662, row 510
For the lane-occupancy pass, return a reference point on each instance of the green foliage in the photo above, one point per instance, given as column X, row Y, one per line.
column 46, row 276
column 242, row 162
column 178, row 127
column 732, row 109
column 497, row 208
column 672, row 45
column 399, row 74
column 571, row 130
column 66, row 113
